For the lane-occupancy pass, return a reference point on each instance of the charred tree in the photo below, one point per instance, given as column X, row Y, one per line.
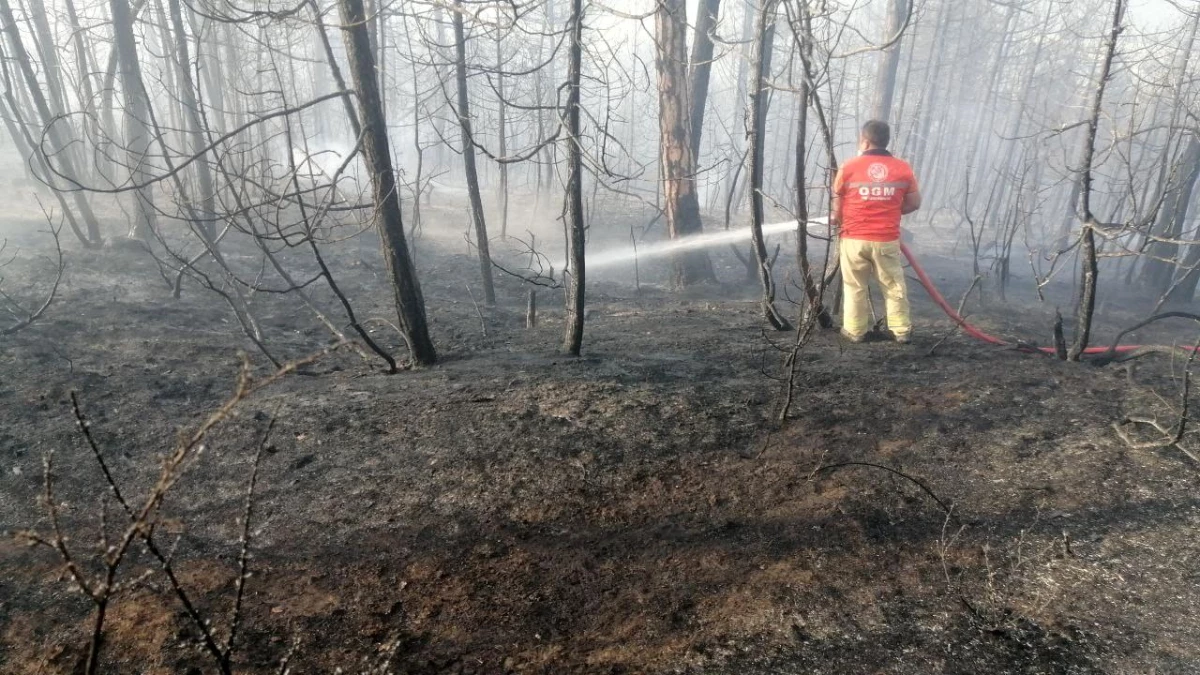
column 811, row 292
column 576, row 229
column 468, row 151
column 677, row 164
column 1088, row 268
column 410, row 304
column 701, row 67
column 757, row 118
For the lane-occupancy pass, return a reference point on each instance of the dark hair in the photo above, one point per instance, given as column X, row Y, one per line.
column 878, row 133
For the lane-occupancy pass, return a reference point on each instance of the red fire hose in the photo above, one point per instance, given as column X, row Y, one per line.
column 980, row 335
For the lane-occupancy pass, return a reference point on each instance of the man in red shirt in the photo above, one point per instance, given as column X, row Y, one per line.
column 870, row 193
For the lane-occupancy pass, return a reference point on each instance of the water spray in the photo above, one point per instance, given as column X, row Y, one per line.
column 624, row 254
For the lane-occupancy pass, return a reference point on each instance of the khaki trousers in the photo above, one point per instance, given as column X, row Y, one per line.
column 860, row 261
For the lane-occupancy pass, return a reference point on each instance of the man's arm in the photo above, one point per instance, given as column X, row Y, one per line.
column 835, row 205
column 912, row 198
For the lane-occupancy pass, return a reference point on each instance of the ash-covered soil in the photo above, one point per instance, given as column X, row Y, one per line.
column 632, row 511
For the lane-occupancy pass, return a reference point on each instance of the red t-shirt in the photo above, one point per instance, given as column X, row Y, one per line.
column 872, row 187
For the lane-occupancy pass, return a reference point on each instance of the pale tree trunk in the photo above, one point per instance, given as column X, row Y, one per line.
column 48, row 51
column 889, row 62
column 502, row 113
column 195, row 126
column 18, row 129
column 1181, row 205
column 677, row 164
column 83, row 62
column 918, row 126
column 733, row 194
column 59, row 142
column 335, row 71
column 468, row 151
column 550, row 156
column 1156, row 271
column 576, row 229
column 439, row 121
column 169, row 76
column 377, row 157
column 136, row 115
column 415, row 228
column 764, row 44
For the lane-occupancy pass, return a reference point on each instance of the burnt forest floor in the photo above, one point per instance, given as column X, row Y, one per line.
column 513, row 510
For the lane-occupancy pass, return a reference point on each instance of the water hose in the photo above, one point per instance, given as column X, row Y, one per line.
column 978, row 334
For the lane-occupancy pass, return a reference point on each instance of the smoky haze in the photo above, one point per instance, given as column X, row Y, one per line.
column 987, row 100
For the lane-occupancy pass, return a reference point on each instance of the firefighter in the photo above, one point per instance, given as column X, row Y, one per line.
column 870, row 194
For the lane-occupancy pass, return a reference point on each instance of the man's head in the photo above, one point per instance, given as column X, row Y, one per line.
column 875, row 135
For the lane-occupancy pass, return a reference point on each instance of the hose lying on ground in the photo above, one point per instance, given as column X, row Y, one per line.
column 1115, row 351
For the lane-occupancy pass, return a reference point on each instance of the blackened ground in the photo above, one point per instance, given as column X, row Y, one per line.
column 632, row 511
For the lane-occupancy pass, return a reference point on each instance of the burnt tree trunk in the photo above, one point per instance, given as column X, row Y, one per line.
column 677, row 164
column 811, row 292
column 576, row 230
column 410, row 305
column 701, row 67
column 468, row 152
column 1087, row 262
column 757, row 119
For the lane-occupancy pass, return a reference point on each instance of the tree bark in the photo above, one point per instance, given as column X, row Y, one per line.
column 757, row 116
column 701, row 67
column 410, row 304
column 811, row 292
column 1087, row 263
column 677, row 164
column 468, row 151
column 576, row 230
